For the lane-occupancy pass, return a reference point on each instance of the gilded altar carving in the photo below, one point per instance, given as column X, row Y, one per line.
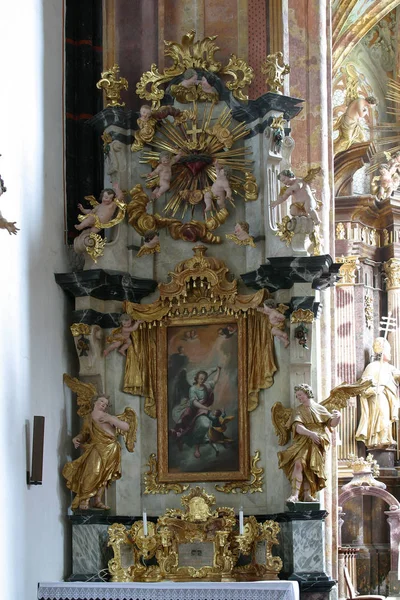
column 255, row 484
column 112, row 85
column 199, row 288
column 275, row 70
column 348, row 270
column 392, row 271
column 198, row 522
column 188, row 56
column 302, row 315
column 153, row 486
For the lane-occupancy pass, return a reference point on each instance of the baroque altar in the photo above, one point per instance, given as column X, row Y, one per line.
column 192, row 351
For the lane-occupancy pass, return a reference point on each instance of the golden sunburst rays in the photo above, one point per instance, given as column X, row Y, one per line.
column 202, row 139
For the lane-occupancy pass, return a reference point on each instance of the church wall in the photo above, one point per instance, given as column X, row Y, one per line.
column 34, row 350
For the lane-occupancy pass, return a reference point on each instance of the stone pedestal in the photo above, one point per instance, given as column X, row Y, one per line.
column 303, row 541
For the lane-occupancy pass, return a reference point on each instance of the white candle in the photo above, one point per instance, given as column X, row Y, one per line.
column 240, row 521
column 144, row 522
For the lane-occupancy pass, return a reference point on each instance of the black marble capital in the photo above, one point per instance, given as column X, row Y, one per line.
column 281, row 272
column 105, row 285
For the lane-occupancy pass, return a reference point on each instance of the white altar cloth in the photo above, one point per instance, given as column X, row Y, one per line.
column 168, row 590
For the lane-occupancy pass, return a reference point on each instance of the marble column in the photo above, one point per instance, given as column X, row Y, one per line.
column 345, row 350
column 392, row 271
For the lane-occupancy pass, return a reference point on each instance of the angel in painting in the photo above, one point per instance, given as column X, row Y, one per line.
column 100, row 463
column 192, row 423
column 310, row 422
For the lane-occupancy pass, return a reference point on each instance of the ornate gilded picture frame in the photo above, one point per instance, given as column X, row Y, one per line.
column 202, row 396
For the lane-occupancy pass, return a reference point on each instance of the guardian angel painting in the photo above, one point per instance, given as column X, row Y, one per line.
column 202, row 413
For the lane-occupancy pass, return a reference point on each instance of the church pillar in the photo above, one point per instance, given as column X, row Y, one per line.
column 345, row 349
column 392, row 270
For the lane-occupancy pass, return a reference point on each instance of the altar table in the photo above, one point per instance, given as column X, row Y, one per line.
column 167, row 590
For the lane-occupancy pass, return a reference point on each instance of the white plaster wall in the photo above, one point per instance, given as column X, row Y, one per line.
column 33, row 321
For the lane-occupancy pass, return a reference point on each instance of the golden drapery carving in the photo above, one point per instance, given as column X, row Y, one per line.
column 199, row 286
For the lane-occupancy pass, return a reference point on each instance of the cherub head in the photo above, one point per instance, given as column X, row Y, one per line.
column 145, row 112
column 286, row 176
column 371, row 100
column 165, row 158
column 189, row 77
column 107, row 196
column 151, row 236
column 383, row 169
column 217, row 412
column 125, row 320
column 241, row 227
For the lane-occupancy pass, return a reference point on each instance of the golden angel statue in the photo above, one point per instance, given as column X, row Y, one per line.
column 100, row 463
column 310, row 422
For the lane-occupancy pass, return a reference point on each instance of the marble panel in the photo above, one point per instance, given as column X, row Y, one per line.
column 89, row 549
column 308, row 546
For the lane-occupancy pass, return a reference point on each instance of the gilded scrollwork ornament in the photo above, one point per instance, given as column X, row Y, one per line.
column 187, row 57
column 153, row 486
column 275, row 70
column 255, row 484
column 112, row 85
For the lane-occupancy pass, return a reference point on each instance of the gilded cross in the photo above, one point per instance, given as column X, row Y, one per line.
column 193, row 132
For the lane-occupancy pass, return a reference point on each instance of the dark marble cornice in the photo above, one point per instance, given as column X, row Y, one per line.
column 282, row 272
column 105, row 285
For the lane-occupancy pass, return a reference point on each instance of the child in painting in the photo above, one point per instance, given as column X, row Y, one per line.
column 217, row 428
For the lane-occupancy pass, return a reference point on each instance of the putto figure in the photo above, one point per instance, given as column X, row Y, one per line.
column 241, row 235
column 102, row 212
column 276, row 319
column 220, row 189
column 380, row 402
column 120, row 338
column 164, row 173
column 304, row 461
column 304, row 202
column 100, row 463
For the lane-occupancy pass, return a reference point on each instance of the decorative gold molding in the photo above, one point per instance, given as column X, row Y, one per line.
column 199, row 523
column 94, row 246
column 199, row 287
column 392, row 270
column 152, row 485
column 348, row 270
column 283, row 233
column 275, row 70
column 254, row 485
column 302, row 315
column 112, row 85
column 80, row 329
column 193, row 55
